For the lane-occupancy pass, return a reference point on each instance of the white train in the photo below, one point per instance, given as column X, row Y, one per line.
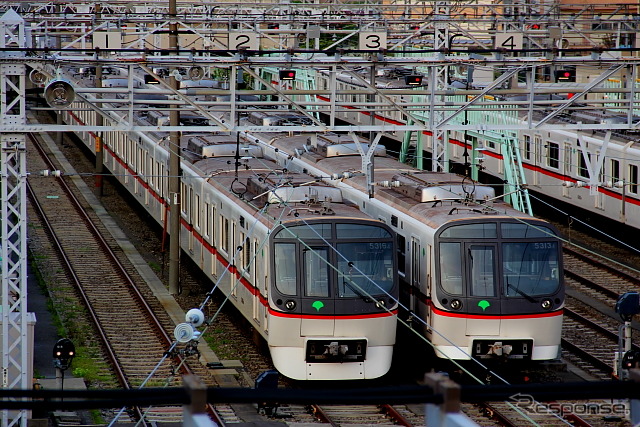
column 484, row 280
column 556, row 164
column 308, row 269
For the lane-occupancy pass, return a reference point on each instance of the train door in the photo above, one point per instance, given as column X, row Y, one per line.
column 416, row 271
column 482, row 288
column 234, row 258
column 317, row 297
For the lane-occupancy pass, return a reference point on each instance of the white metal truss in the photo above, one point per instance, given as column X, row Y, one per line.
column 439, row 77
column 15, row 361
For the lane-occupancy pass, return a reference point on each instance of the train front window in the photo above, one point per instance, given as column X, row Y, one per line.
column 451, row 268
column 316, row 272
column 482, row 261
column 530, row 268
column 368, row 269
column 285, row 268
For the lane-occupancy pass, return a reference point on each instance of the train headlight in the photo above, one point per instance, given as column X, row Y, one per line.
column 456, row 304
column 546, row 304
column 290, row 305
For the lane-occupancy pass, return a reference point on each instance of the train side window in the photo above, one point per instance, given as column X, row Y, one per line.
column 583, row 171
column 206, row 224
column 633, row 179
column 224, row 229
column 482, row 267
column 196, row 209
column 183, row 198
column 614, row 170
column 451, row 268
column 553, row 155
column 285, row 268
column 526, row 149
column 316, row 272
column 212, row 227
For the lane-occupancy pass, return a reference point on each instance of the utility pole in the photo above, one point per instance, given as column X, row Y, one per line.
column 174, row 165
column 99, row 166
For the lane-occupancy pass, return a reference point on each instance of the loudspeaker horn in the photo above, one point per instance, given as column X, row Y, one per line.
column 59, row 93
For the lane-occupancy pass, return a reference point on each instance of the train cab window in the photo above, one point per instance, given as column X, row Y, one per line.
column 451, row 268
column 374, row 258
column 482, row 265
column 316, row 272
column 530, row 268
column 285, row 268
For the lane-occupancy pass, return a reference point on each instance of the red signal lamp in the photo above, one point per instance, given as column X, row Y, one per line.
column 287, row 74
column 413, row 80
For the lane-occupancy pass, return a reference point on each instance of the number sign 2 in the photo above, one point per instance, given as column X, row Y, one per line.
column 243, row 40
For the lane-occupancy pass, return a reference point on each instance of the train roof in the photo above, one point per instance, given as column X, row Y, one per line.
column 431, row 197
column 292, row 196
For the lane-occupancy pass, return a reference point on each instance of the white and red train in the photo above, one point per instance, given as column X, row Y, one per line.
column 308, row 269
column 481, row 279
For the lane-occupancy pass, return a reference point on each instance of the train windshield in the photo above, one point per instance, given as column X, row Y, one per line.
column 366, row 271
column 530, row 268
column 345, row 260
column 492, row 259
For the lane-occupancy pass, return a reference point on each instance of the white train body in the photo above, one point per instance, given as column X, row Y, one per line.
column 308, row 269
column 507, row 303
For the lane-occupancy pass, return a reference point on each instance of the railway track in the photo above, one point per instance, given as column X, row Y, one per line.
column 132, row 337
column 372, row 412
column 590, row 330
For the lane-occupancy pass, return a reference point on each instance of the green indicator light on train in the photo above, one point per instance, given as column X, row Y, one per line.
column 484, row 304
column 317, row 305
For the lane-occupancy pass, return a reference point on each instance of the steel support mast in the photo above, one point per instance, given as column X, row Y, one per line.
column 15, row 363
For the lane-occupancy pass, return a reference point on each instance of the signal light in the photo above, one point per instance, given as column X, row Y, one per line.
column 535, row 26
column 413, row 80
column 565, row 75
column 63, row 353
column 150, row 80
column 287, row 74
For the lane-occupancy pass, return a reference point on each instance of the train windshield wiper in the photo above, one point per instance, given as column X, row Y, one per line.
column 522, row 293
column 362, row 296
